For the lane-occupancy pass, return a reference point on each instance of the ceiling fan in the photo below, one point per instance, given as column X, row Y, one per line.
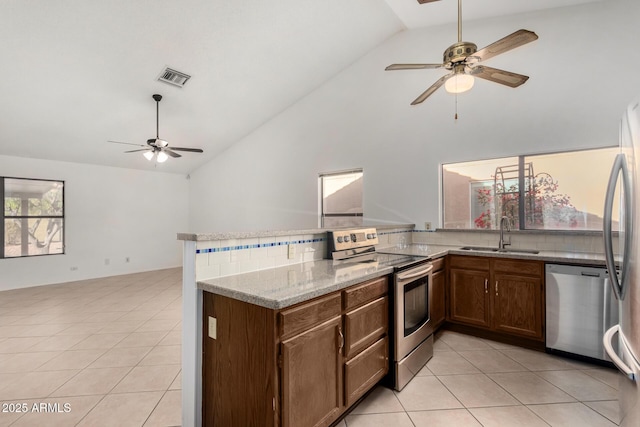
column 156, row 147
column 462, row 60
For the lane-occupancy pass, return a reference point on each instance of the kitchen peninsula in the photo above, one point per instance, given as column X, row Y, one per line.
column 275, row 270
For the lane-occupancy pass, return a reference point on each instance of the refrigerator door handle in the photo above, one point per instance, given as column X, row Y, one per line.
column 622, row 367
column 605, row 304
column 619, row 169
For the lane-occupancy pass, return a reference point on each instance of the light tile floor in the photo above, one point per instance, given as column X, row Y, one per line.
column 110, row 350
column 107, row 348
column 475, row 382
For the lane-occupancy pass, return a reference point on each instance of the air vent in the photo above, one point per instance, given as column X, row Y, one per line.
column 173, row 77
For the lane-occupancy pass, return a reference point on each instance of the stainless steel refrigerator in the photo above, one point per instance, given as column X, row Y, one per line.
column 626, row 288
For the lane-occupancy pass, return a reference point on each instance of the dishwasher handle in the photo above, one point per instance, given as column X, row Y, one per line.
column 608, row 347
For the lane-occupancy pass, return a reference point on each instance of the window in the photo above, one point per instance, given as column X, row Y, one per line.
column 33, row 217
column 341, row 198
column 557, row 191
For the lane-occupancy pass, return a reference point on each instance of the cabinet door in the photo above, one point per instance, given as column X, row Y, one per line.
column 468, row 290
column 312, row 376
column 517, row 305
column 365, row 370
column 437, row 298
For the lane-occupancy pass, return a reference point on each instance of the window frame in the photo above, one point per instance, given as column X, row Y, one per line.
column 323, row 215
column 521, row 190
column 28, row 217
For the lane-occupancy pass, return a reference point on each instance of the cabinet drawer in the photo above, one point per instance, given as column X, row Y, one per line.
column 438, row 264
column 365, row 325
column 306, row 315
column 365, row 370
column 469, row 262
column 530, row 268
column 365, row 292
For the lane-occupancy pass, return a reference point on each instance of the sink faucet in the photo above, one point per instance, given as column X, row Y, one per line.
column 504, row 220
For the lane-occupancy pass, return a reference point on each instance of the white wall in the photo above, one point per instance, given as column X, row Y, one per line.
column 583, row 73
column 109, row 213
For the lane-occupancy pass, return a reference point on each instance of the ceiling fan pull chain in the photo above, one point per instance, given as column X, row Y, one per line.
column 456, row 116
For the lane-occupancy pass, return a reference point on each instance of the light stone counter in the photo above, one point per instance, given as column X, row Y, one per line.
column 561, row 257
column 281, row 287
column 226, row 235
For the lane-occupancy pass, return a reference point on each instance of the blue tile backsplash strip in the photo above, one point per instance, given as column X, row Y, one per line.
column 258, row 245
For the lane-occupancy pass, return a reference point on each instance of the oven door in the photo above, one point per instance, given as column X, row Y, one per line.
column 412, row 309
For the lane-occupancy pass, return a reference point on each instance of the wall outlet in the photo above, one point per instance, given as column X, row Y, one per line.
column 427, row 225
column 74, row 268
column 107, row 261
column 213, row 325
column 127, row 260
column 291, row 251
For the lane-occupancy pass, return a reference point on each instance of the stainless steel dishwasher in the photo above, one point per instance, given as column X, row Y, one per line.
column 580, row 309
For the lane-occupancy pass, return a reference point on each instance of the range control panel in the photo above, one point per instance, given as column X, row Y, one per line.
column 349, row 239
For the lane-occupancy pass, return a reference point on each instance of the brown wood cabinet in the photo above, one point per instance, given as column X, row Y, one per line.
column 501, row 295
column 469, row 297
column 438, row 291
column 301, row 366
column 312, row 376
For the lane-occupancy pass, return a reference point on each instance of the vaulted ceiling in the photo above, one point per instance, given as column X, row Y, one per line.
column 77, row 73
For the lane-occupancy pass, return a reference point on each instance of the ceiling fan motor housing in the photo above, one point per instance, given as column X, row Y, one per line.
column 458, row 52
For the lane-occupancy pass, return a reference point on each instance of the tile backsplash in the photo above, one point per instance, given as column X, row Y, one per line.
column 543, row 241
column 217, row 258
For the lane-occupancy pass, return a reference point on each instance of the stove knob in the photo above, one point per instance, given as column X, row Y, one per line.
column 339, row 239
column 375, row 235
column 369, row 236
column 353, row 238
column 346, row 238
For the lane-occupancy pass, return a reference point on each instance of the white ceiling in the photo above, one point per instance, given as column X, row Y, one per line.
column 76, row 73
column 416, row 15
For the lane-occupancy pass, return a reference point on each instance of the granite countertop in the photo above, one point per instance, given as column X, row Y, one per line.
column 281, row 287
column 225, row 235
column 436, row 251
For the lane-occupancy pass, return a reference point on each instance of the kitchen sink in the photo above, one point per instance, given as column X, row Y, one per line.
column 479, row 248
column 490, row 249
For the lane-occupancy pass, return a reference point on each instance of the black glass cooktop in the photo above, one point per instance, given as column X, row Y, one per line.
column 398, row 262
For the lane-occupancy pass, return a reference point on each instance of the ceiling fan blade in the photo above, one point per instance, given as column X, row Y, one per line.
column 412, row 66
column 126, row 143
column 192, row 150
column 171, row 153
column 432, row 89
column 506, row 78
column 135, row 151
column 505, row 44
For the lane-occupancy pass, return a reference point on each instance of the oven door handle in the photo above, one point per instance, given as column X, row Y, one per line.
column 413, row 273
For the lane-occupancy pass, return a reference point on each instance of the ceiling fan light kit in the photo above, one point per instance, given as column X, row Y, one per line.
column 161, row 157
column 459, row 83
column 462, row 59
column 156, row 147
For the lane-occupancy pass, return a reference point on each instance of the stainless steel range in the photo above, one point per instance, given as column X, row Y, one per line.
column 411, row 331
